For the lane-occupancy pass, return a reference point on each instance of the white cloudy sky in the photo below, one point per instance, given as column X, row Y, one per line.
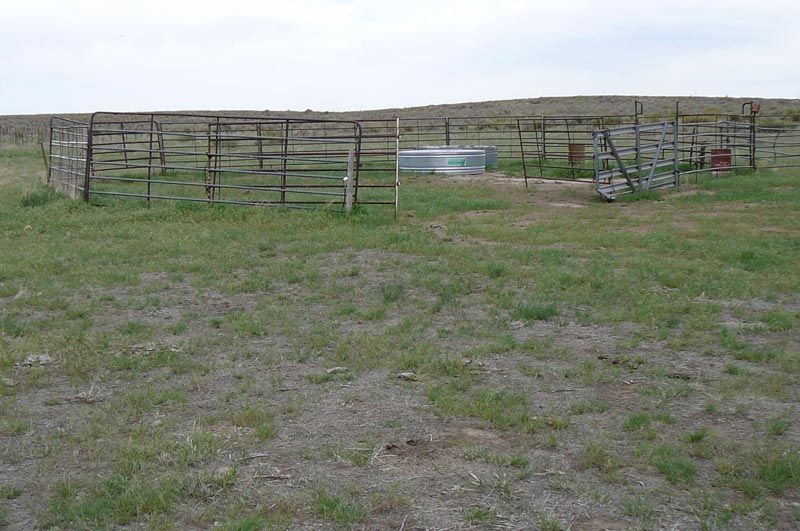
column 84, row 55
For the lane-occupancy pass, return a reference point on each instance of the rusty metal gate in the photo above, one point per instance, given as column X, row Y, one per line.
column 633, row 158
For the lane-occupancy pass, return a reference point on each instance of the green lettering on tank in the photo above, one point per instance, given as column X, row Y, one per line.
column 457, row 162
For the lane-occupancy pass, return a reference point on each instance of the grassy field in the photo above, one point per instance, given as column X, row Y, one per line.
column 496, row 357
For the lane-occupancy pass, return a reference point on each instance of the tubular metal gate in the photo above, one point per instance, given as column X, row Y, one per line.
column 225, row 160
column 638, row 157
column 555, row 147
column 67, row 168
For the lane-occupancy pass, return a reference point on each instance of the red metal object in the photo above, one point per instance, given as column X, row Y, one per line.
column 721, row 159
column 577, row 153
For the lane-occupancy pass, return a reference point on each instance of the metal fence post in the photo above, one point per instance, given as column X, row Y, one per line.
column 544, row 139
column 162, row 157
column 522, row 152
column 284, row 161
column 260, row 136
column 348, row 182
column 637, row 105
column 447, row 131
column 87, row 171
column 675, row 155
column 397, row 170
column 50, row 147
column 150, row 159
column 124, row 143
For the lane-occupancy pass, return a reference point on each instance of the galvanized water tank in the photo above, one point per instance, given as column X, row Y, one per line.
column 491, row 155
column 491, row 152
column 440, row 160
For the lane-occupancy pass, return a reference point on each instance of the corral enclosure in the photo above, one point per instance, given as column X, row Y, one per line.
column 225, row 160
column 301, row 163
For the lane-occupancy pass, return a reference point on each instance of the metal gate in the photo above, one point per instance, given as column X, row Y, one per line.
column 68, row 141
column 555, row 147
column 638, row 157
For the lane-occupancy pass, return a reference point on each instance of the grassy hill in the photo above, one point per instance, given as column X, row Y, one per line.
column 574, row 105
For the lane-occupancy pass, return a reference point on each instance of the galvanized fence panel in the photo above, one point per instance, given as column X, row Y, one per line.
column 67, row 159
column 637, row 157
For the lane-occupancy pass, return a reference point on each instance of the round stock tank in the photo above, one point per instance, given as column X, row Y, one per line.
column 443, row 160
column 491, row 152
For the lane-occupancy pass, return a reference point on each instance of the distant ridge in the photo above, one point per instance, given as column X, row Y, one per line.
column 550, row 106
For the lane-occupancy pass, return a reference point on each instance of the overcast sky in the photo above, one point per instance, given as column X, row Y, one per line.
column 85, row 55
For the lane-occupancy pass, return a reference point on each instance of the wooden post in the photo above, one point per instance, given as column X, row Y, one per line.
column 46, row 162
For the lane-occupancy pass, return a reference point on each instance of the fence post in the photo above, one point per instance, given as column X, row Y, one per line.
column 87, row 170
column 753, row 140
column 357, row 162
column 162, row 157
column 348, row 182
column 50, row 164
column 283, row 161
column 124, row 143
column 754, row 108
column 260, row 147
column 675, row 155
column 447, row 131
column 522, row 152
column 150, row 159
column 544, row 139
column 397, row 170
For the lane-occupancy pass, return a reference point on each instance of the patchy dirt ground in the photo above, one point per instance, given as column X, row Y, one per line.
column 553, row 385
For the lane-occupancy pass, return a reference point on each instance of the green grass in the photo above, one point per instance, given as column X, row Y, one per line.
column 260, row 420
column 672, row 463
column 40, row 196
column 480, row 515
column 581, row 350
column 338, row 509
column 472, row 453
column 9, row 493
column 779, row 426
column 534, row 311
column 502, row 409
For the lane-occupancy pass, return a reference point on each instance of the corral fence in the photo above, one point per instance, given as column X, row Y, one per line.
column 691, row 144
column 243, row 160
column 303, row 163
